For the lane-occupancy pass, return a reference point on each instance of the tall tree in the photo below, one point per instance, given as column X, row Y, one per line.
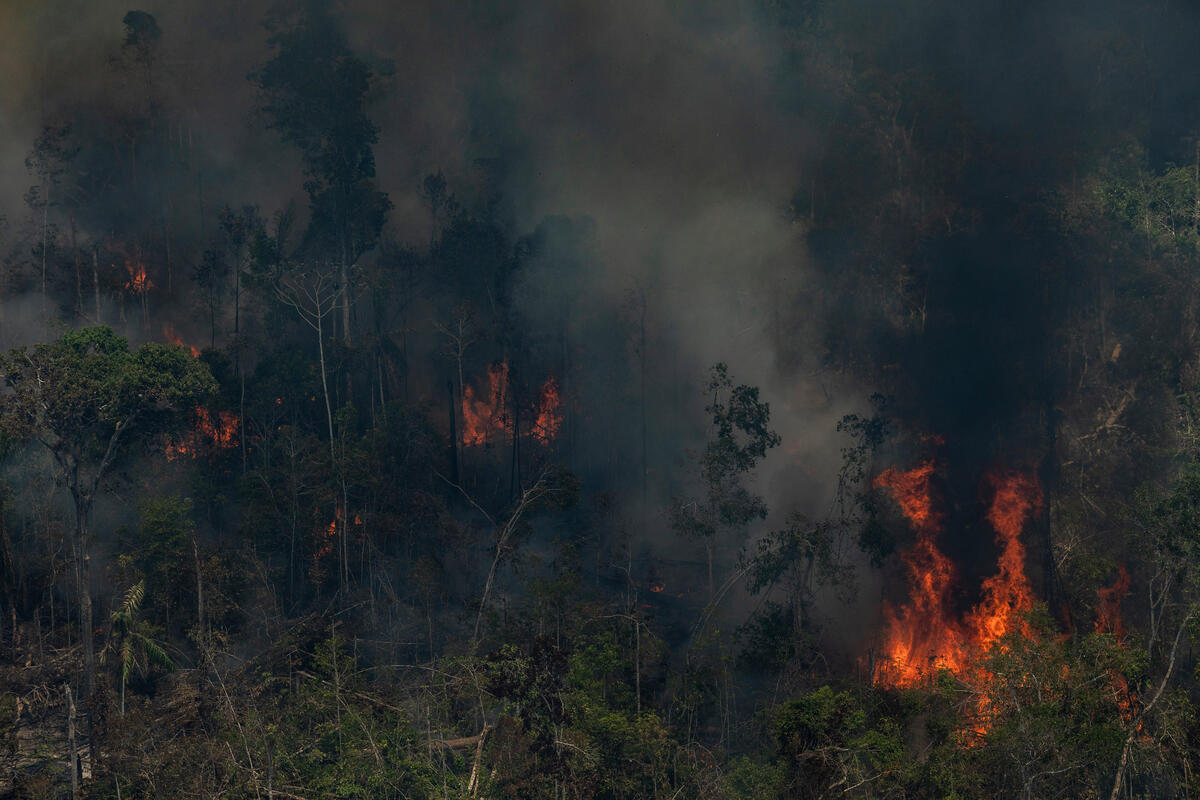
column 314, row 93
column 740, row 438
column 84, row 398
column 50, row 160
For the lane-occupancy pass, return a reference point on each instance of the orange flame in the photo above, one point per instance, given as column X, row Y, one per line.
column 925, row 634
column 549, row 413
column 173, row 338
column 139, row 282
column 1108, row 620
column 207, row 432
column 328, row 535
column 486, row 418
column 1006, row 595
column 1108, row 611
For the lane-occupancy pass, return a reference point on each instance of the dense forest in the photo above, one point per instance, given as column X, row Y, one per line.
column 519, row 399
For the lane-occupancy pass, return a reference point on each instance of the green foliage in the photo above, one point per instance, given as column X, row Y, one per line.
column 80, row 394
column 834, row 741
column 133, row 641
column 337, row 740
column 315, row 92
column 740, row 438
column 160, row 552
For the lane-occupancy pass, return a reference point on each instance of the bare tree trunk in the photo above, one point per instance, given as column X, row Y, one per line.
column 83, row 583
column 199, row 592
column 473, row 782
column 45, row 239
column 96, row 282
column 344, row 277
column 1134, row 723
column 73, row 752
column 454, row 447
column 78, row 270
column 83, row 587
column 166, row 220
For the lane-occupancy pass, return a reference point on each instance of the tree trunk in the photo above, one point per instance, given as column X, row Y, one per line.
column 83, row 588
column 199, row 592
column 345, row 279
column 78, row 270
column 96, row 282
column 45, row 237
column 73, row 751
column 454, row 448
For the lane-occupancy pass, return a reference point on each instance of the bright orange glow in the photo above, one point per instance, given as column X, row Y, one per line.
column 925, row 634
column 486, row 418
column 1006, row 595
column 173, row 338
column 139, row 282
column 328, row 535
column 219, row 433
column 1108, row 611
column 549, row 412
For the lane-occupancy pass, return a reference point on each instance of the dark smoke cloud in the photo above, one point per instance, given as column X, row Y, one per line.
column 681, row 132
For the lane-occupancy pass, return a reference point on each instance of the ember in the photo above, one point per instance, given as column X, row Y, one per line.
column 207, row 432
column 486, row 417
column 549, row 415
column 1108, row 610
column 138, row 282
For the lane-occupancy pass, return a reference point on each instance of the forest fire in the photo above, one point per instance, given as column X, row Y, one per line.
column 927, row 634
column 549, row 414
column 1108, row 609
column 217, row 433
column 173, row 338
column 487, row 419
column 139, row 282
column 327, row 536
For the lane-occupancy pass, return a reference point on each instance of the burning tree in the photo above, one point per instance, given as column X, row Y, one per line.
column 926, row 634
column 84, row 398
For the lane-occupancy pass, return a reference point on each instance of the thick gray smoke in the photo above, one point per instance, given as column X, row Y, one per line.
column 655, row 127
column 658, row 122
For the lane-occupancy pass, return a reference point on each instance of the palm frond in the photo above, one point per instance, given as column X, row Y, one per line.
column 133, row 598
column 155, row 654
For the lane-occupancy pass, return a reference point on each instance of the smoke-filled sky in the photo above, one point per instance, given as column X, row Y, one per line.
column 689, row 134
column 661, row 122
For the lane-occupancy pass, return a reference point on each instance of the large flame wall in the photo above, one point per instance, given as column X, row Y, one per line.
column 927, row 633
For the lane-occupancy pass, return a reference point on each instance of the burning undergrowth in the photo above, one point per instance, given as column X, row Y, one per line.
column 488, row 415
column 932, row 630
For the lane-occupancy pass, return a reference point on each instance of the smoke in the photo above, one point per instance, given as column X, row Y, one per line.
column 696, row 182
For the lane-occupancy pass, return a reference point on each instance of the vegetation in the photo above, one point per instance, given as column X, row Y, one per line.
column 392, row 481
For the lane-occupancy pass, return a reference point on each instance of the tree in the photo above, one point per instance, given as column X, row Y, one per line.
column 807, row 556
column 740, row 438
column 50, row 160
column 315, row 94
column 132, row 640
column 84, row 398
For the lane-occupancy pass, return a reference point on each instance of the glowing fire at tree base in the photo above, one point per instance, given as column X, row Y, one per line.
column 925, row 634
